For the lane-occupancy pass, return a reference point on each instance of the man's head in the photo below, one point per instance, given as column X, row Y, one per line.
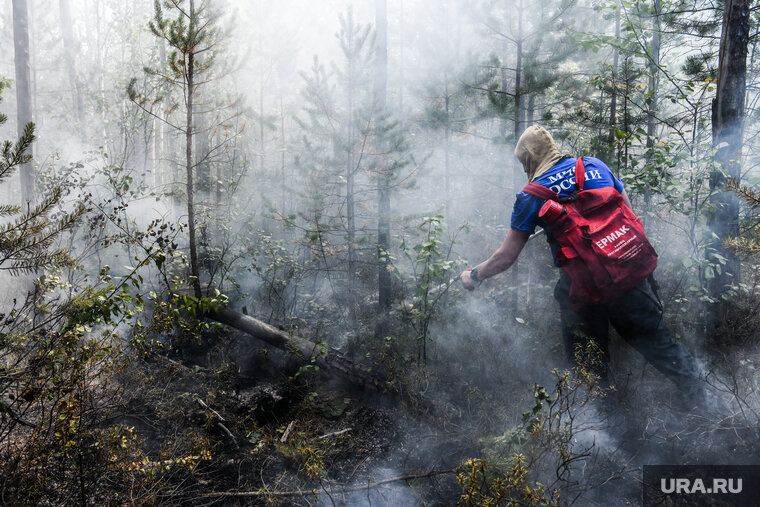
column 536, row 151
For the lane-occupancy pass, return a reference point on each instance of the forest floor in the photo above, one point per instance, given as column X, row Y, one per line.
column 276, row 438
column 276, row 432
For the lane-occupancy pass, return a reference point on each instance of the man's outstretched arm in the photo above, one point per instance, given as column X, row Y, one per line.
column 500, row 260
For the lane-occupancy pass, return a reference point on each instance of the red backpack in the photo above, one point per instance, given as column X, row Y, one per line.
column 602, row 246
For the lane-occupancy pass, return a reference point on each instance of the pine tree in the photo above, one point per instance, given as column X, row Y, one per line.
column 353, row 75
column 191, row 35
column 26, row 242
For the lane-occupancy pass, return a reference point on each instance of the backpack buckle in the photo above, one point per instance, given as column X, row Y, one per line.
column 570, row 198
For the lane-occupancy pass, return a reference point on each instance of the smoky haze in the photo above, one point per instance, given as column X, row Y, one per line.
column 291, row 152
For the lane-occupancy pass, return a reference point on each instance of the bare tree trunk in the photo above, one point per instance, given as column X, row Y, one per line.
column 401, row 76
column 217, row 186
column 202, row 139
column 447, row 127
column 350, row 205
column 384, row 180
column 23, row 91
column 447, row 155
column 162, row 175
column 517, row 175
column 262, row 154
column 728, row 126
column 285, row 209
column 614, row 94
column 69, row 51
column 530, row 111
column 654, row 69
column 194, row 271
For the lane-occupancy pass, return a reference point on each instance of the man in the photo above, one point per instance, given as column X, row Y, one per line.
column 636, row 315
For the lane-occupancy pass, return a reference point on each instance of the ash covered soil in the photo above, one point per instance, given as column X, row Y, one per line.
column 270, row 431
column 276, row 433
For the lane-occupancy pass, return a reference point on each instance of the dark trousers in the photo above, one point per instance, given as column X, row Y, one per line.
column 637, row 317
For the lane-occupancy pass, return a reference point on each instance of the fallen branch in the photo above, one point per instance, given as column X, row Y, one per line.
column 219, row 422
column 229, row 433
column 286, row 434
column 334, row 434
column 329, row 359
column 369, row 485
column 325, row 357
column 5, row 409
column 203, row 404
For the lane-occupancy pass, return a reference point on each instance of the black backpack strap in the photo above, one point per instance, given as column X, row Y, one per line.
column 540, row 191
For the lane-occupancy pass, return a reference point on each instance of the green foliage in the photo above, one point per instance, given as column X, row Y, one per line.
column 483, row 486
column 26, row 241
column 431, row 272
column 87, row 307
column 309, row 453
column 545, row 440
column 281, row 271
column 191, row 31
column 187, row 314
column 58, row 442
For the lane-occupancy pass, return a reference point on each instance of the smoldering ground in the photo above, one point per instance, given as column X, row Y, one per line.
column 281, row 226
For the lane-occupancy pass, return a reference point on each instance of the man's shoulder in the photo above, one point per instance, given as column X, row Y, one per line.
column 595, row 162
column 563, row 169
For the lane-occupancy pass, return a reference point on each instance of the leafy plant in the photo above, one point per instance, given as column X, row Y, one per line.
column 486, row 487
column 431, row 276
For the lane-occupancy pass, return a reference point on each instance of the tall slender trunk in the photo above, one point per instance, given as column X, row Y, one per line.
column 23, row 91
column 194, row 271
column 69, row 52
column 654, row 69
column 401, row 76
column 530, row 110
column 261, row 103
column 282, row 154
column 447, row 127
column 383, row 197
column 447, row 155
column 728, row 127
column 160, row 177
column 39, row 120
column 517, row 174
column 350, row 220
column 614, row 87
column 101, row 58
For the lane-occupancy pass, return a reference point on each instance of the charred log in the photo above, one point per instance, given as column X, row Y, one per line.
column 326, row 358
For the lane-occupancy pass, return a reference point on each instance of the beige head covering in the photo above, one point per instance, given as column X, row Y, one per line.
column 536, row 151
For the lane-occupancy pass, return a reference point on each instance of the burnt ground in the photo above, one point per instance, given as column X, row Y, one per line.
column 278, row 433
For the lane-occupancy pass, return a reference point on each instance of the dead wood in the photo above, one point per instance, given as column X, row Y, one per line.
column 334, row 434
column 325, row 357
column 220, row 422
column 369, row 485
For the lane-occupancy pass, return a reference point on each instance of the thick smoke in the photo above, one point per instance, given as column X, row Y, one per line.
column 486, row 349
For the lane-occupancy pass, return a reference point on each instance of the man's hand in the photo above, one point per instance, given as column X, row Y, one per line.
column 467, row 281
